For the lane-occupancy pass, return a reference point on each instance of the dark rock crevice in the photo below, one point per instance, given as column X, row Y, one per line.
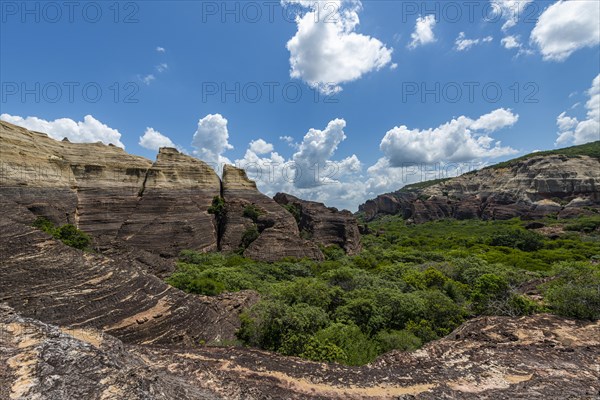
column 143, row 188
column 220, row 219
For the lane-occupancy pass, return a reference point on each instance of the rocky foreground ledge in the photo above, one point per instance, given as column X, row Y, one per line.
column 535, row 357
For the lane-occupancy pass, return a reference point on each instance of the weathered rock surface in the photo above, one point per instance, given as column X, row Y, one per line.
column 279, row 235
column 325, row 225
column 41, row 361
column 536, row 357
column 40, row 277
column 532, row 188
column 160, row 207
column 172, row 212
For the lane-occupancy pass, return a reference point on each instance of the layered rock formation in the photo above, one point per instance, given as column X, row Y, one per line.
column 42, row 361
column 41, row 277
column 173, row 206
column 278, row 233
column 530, row 188
column 102, row 325
column 324, row 225
column 92, row 185
column 536, row 357
column 159, row 207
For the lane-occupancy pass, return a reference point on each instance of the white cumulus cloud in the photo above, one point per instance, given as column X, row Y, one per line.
column 461, row 139
column 154, row 140
column 423, row 33
column 311, row 172
column 211, row 139
column 327, row 52
column 90, row 130
column 259, row 146
column 511, row 42
column 573, row 131
column 314, row 152
column 462, row 43
column 567, row 26
column 497, row 119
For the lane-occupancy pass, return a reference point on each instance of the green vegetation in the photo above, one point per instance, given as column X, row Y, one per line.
column 576, row 290
column 422, row 185
column 517, row 239
column 589, row 149
column 249, row 236
column 252, row 212
column 217, row 207
column 68, row 234
column 411, row 284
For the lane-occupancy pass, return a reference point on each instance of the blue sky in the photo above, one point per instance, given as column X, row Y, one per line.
column 378, row 81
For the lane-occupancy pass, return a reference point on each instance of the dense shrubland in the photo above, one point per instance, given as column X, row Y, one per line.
column 410, row 285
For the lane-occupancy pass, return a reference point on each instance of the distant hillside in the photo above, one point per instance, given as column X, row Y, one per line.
column 565, row 182
column 589, row 149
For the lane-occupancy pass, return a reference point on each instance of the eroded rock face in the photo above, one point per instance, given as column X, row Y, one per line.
column 325, row 225
column 92, row 185
column 533, row 188
column 43, row 278
column 160, row 207
column 43, row 361
column 279, row 235
column 537, row 357
column 172, row 212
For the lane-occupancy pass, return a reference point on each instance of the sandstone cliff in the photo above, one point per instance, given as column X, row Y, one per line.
column 159, row 207
column 43, row 278
column 173, row 206
column 111, row 194
column 278, row 233
column 324, row 225
column 532, row 187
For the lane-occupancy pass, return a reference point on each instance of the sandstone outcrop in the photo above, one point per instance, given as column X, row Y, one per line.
column 161, row 207
column 324, row 225
column 40, row 277
column 42, row 361
column 278, row 233
column 529, row 188
column 535, row 357
column 173, row 207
